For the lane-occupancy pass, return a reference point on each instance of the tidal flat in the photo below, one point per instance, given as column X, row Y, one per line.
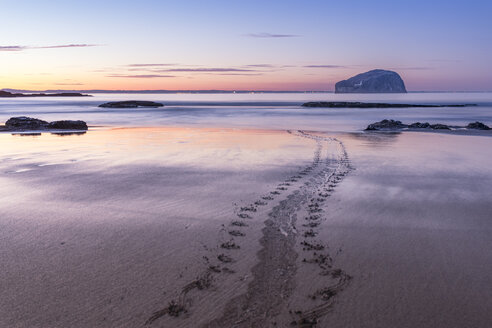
column 198, row 215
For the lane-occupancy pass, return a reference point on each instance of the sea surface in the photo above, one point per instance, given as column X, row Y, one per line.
column 255, row 110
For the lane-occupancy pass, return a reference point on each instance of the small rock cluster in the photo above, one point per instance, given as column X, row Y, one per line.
column 23, row 123
column 398, row 125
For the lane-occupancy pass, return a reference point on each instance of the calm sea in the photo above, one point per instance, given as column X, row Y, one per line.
column 255, row 110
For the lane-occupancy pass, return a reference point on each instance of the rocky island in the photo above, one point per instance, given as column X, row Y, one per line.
column 131, row 104
column 7, row 94
column 24, row 123
column 375, row 81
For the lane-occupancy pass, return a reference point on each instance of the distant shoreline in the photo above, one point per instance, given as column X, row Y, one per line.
column 207, row 91
column 7, row 94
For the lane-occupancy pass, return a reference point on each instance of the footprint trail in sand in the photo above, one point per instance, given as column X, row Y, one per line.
column 291, row 224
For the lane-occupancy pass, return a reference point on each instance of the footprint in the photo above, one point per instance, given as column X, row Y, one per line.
column 310, row 234
column 230, row 245
column 237, row 233
column 224, row 258
column 249, row 208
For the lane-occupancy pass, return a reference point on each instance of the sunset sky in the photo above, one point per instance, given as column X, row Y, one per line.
column 243, row 45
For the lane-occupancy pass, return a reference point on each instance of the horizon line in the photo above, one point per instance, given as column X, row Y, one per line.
column 214, row 91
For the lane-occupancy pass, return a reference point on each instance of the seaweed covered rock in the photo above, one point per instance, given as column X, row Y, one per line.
column 478, row 126
column 418, row 125
column 386, row 125
column 68, row 125
column 25, row 123
column 398, row 125
column 130, row 104
column 440, row 127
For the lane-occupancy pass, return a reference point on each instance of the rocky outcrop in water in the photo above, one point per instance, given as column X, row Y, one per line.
column 375, row 81
column 478, row 126
column 439, row 127
column 398, row 125
column 391, row 125
column 130, row 104
column 386, row 125
column 351, row 104
column 24, row 123
column 419, row 125
column 68, row 125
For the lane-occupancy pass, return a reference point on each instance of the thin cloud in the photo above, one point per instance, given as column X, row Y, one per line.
column 270, row 35
column 82, row 45
column 324, row 66
column 12, row 48
column 150, row 65
column 260, row 65
column 206, row 70
column 240, row 74
column 69, row 83
column 140, row 76
column 21, row 48
column 158, row 70
column 416, row 68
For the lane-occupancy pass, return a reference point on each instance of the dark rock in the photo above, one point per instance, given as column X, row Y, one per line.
column 397, row 125
column 68, row 125
column 349, row 104
column 478, row 126
column 130, row 104
column 440, row 127
column 419, row 125
column 375, row 81
column 386, row 125
column 25, row 123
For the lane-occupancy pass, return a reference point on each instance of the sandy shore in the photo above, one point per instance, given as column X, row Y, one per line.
column 192, row 227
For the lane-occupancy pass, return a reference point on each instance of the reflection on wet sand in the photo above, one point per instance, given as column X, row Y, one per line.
column 27, row 134
column 121, row 218
column 60, row 134
column 163, row 146
column 66, row 134
column 132, row 225
column 375, row 139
